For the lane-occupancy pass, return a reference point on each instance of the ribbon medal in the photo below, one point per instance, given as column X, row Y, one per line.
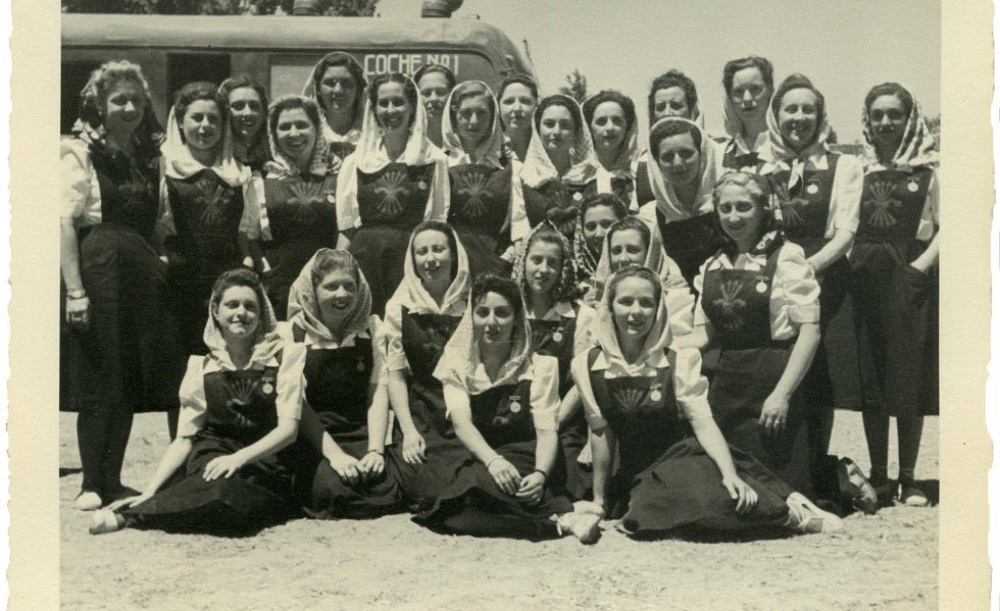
column 913, row 186
column 654, row 392
column 422, row 185
column 267, row 387
column 515, row 404
column 578, row 196
column 761, row 286
column 557, row 336
column 812, row 188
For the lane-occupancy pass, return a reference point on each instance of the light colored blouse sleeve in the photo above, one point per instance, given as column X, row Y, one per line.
column 252, row 204
column 81, row 193
column 586, row 322
column 347, row 194
column 678, row 298
column 439, row 198
column 690, row 387
column 291, row 383
column 192, row 399
column 521, row 228
column 930, row 218
column 845, row 199
column 794, row 293
column 395, row 357
column 455, row 397
column 545, row 392
column 376, row 329
column 581, row 376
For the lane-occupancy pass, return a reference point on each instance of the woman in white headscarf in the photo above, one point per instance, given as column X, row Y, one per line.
column 395, row 179
column 817, row 194
column 749, row 84
column 504, row 403
column 299, row 193
column 480, row 177
column 240, row 407
column 214, row 210
column 419, row 320
column 344, row 469
column 614, row 128
column 557, row 166
column 337, row 85
column 682, row 175
column 646, row 398
column 894, row 283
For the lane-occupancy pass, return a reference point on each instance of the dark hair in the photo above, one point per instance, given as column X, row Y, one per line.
column 329, row 260
column 336, row 59
column 409, row 90
column 94, row 98
column 604, row 199
column 635, row 271
column 663, row 129
column 760, row 192
column 550, row 235
column 445, row 228
column 291, row 103
column 467, row 91
column 565, row 102
column 240, row 277
column 504, row 287
column 517, row 78
column 798, row 81
column 895, row 89
column 192, row 92
column 752, row 61
column 431, row 68
column 610, row 95
column 673, row 78
column 241, row 81
column 634, row 223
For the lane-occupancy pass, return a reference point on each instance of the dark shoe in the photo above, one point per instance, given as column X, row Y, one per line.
column 884, row 489
column 862, row 494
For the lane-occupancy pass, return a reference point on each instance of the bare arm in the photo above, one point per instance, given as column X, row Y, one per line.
column 834, row 250
column 602, row 444
column 378, row 419
column 929, row 257
column 569, row 404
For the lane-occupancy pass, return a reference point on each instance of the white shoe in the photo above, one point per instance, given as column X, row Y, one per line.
column 583, row 526
column 89, row 501
column 106, row 521
column 805, row 517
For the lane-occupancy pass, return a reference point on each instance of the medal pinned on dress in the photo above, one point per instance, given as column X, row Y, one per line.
column 761, row 286
column 331, row 197
column 655, row 394
column 913, row 186
column 515, row 404
column 360, row 366
column 557, row 336
column 577, row 196
column 267, row 386
column 812, row 188
column 422, row 185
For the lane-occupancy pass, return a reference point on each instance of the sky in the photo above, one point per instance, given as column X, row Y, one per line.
column 844, row 46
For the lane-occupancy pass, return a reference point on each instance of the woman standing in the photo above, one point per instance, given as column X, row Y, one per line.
column 394, row 180
column 682, row 178
column 517, row 98
column 480, row 177
column 818, row 193
column 345, row 469
column 894, row 273
column 598, row 213
column 215, row 211
column 610, row 116
column 240, row 406
column 434, row 82
column 651, row 398
column 120, row 352
column 749, row 84
column 337, row 85
column 246, row 103
column 420, row 319
column 299, row 191
column 504, row 404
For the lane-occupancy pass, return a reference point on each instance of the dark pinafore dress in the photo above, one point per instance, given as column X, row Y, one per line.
column 894, row 303
column 832, row 380
column 665, row 480
column 424, row 337
column 240, row 412
column 502, row 415
column 556, row 338
column 750, row 363
column 643, row 191
column 479, row 209
column 621, row 188
column 302, row 213
column 553, row 201
column 337, row 389
column 207, row 213
column 689, row 242
column 731, row 160
column 391, row 202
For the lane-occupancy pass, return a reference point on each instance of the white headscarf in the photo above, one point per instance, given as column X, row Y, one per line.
column 310, row 90
column 734, row 129
column 267, row 344
column 667, row 201
column 916, row 149
column 607, row 334
column 538, row 169
column 411, row 293
column 489, row 151
column 621, row 167
column 284, row 166
column 180, row 164
column 303, row 309
column 777, row 152
column 656, row 259
column 371, row 155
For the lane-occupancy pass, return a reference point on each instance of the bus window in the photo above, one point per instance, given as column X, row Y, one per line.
column 184, row 68
column 74, row 77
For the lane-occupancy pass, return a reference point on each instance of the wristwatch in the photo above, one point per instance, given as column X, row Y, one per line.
column 77, row 294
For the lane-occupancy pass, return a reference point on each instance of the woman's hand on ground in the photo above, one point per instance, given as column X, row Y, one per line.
column 742, row 493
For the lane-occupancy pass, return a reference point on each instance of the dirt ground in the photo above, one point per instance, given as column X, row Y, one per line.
column 886, row 561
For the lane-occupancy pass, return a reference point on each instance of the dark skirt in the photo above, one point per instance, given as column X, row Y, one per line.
column 380, row 252
column 482, row 252
column 491, row 511
column 287, row 260
column 252, row 499
column 683, row 490
column 573, row 435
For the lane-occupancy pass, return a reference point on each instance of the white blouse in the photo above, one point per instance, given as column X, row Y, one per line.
column 845, row 193
column 586, row 318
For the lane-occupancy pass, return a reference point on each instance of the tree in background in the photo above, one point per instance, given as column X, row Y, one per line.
column 934, row 124
column 575, row 87
column 344, row 8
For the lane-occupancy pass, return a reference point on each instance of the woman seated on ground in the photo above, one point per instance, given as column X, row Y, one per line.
column 344, row 468
column 640, row 392
column 240, row 406
column 504, row 403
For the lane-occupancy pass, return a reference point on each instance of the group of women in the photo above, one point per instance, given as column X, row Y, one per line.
column 489, row 308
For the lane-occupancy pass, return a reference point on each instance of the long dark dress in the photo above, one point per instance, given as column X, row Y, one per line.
column 337, row 388
column 391, row 202
column 424, row 337
column 554, row 201
column 128, row 359
column 207, row 213
column 240, row 411
column 665, row 480
column 894, row 303
column 302, row 214
column 690, row 241
column 472, row 503
column 479, row 209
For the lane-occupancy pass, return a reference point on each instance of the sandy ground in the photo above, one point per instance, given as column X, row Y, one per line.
column 886, row 561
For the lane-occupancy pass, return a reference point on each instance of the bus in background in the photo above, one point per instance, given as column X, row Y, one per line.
column 277, row 51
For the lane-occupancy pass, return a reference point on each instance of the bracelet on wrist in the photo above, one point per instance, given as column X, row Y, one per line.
column 543, row 473
column 382, row 453
column 76, row 295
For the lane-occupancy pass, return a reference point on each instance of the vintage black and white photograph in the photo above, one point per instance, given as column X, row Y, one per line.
column 491, row 304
